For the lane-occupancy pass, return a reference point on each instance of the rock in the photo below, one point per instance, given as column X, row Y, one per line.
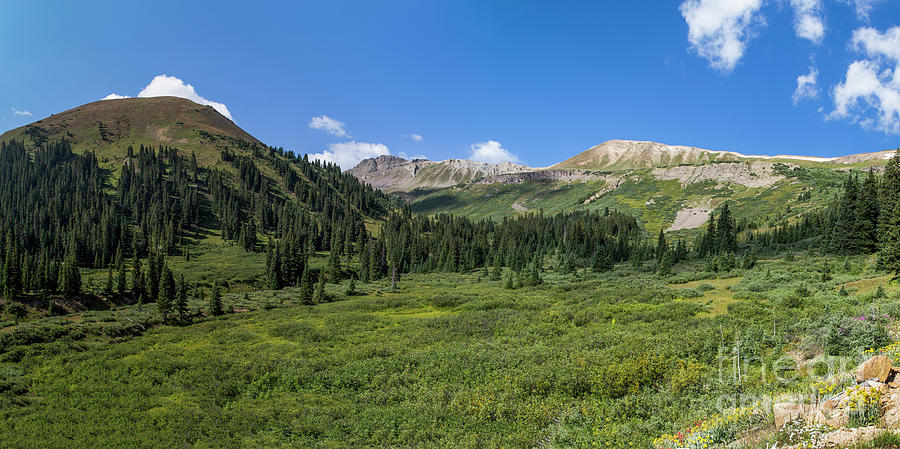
column 878, row 368
column 849, row 437
column 784, row 412
column 890, row 403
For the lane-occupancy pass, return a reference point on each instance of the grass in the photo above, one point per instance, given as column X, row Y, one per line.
column 448, row 360
column 717, row 298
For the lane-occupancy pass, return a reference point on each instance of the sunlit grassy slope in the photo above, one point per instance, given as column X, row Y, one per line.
column 449, row 360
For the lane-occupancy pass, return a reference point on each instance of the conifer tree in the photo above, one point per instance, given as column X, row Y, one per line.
column 12, row 276
column 320, row 290
column 167, row 292
column 843, row 234
column 889, row 193
column 867, row 215
column 120, row 278
column 70, row 276
column 215, row 303
column 889, row 256
column 181, row 300
column 351, row 287
column 306, row 287
column 725, row 231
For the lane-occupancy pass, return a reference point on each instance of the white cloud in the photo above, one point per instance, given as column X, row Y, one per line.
column 863, row 7
column 18, row 112
column 808, row 21
column 414, row 136
column 170, row 86
column 329, row 125
column 491, row 152
column 870, row 92
column 348, row 154
column 807, row 86
column 719, row 30
column 114, row 96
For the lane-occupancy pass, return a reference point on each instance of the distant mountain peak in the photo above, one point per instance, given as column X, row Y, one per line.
column 393, row 173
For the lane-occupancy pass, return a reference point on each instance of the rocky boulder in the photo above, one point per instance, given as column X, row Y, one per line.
column 877, row 368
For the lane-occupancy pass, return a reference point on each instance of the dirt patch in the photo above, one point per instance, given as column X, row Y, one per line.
column 692, row 217
column 518, row 207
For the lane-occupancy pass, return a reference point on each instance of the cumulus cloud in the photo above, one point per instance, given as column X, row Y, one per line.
column 862, row 7
column 329, row 125
column 719, row 30
column 348, row 154
column 870, row 92
column 170, row 86
column 807, row 86
column 414, row 136
column 808, row 21
column 114, row 96
column 491, row 152
column 18, row 112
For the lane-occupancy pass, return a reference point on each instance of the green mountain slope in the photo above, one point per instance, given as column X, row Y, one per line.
column 108, row 126
column 167, row 180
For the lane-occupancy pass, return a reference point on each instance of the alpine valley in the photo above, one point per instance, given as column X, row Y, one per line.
column 169, row 280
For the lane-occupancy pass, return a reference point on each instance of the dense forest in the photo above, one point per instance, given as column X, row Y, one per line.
column 61, row 211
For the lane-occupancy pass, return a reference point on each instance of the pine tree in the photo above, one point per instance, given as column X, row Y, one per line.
column 108, row 289
column 867, row 215
column 320, row 290
column 120, row 278
column 306, row 287
column 351, row 288
column 889, row 193
column 181, row 300
column 215, row 303
column 273, row 268
column 725, row 231
column 70, row 276
column 12, row 276
column 889, row 256
column 843, row 234
column 167, row 292
column 661, row 245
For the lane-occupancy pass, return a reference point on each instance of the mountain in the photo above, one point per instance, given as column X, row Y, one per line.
column 167, row 178
column 392, row 173
column 668, row 187
column 629, row 154
column 108, row 126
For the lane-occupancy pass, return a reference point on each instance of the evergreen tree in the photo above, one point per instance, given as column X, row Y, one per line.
column 306, row 288
column 320, row 290
column 889, row 256
column 215, row 303
column 351, row 288
column 167, row 293
column 867, row 215
column 12, row 276
column 844, row 233
column 889, row 193
column 725, row 231
column 273, row 268
column 120, row 277
column 181, row 300
column 70, row 276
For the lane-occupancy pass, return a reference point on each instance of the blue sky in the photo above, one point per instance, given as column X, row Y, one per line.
column 530, row 81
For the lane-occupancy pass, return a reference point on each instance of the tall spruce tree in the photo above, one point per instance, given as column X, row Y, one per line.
column 725, row 231
column 167, row 292
column 867, row 212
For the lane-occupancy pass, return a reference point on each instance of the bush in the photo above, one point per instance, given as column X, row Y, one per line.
column 849, row 335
